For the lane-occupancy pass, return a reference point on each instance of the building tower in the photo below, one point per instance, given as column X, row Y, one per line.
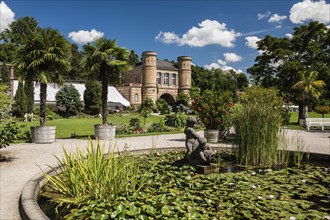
column 149, row 72
column 184, row 63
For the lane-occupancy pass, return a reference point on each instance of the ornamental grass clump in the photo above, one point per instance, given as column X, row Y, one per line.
column 93, row 176
column 257, row 124
column 213, row 109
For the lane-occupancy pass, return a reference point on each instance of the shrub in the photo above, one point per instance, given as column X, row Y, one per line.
column 94, row 176
column 213, row 109
column 92, row 97
column 162, row 106
column 9, row 130
column 257, row 121
column 322, row 110
column 69, row 97
column 19, row 106
column 158, row 127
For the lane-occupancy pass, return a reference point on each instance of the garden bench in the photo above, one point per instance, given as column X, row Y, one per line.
column 317, row 122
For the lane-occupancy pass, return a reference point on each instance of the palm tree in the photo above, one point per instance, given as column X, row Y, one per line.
column 105, row 61
column 44, row 56
column 310, row 88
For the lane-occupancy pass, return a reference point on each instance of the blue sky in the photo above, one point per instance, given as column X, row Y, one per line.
column 219, row 34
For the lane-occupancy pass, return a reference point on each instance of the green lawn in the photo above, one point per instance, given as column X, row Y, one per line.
column 84, row 127
column 294, row 119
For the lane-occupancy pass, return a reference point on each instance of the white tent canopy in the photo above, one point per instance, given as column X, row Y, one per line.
column 113, row 95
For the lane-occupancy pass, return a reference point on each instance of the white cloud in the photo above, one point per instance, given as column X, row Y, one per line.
column 252, row 42
column 168, row 37
column 231, row 57
column 221, row 64
column 288, row 35
column 264, row 16
column 6, row 16
column 83, row 37
column 310, row 10
column 277, row 18
column 208, row 32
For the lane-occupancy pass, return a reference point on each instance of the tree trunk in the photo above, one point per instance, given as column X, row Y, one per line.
column 303, row 114
column 104, row 98
column 43, row 96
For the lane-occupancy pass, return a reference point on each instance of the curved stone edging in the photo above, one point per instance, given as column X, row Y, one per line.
column 28, row 202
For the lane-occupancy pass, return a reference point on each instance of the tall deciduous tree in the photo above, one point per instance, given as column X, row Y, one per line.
column 105, row 61
column 44, row 56
column 282, row 59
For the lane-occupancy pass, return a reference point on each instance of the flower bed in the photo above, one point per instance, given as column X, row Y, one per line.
column 174, row 191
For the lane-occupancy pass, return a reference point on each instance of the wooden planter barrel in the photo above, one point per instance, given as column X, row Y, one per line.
column 43, row 134
column 105, row 132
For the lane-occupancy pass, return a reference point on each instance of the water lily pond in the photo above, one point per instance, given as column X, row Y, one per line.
column 174, row 191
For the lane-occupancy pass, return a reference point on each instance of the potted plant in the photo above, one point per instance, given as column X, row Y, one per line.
column 105, row 62
column 44, row 57
column 213, row 110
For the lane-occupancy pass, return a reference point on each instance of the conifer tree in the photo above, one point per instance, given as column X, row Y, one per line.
column 92, row 97
column 19, row 106
column 29, row 89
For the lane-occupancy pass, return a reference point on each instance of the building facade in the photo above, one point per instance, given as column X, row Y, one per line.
column 156, row 79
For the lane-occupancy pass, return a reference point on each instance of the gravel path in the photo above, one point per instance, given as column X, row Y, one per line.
column 25, row 160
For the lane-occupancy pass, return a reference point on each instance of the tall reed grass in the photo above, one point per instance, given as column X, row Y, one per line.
column 257, row 122
column 94, row 175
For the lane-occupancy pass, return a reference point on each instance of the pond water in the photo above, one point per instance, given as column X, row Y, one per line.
column 174, row 191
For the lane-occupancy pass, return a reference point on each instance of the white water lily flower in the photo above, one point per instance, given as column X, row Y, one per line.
column 303, row 181
column 271, row 196
column 260, row 170
column 231, row 184
column 254, row 173
column 259, row 197
column 254, row 187
column 269, row 170
column 292, row 218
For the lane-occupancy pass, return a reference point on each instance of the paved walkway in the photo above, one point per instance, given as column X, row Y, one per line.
column 25, row 160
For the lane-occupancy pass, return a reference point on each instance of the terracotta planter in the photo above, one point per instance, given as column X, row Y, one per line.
column 211, row 135
column 105, row 132
column 43, row 134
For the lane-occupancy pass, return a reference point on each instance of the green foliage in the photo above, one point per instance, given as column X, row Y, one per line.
column 105, row 61
column 174, row 192
column 158, row 127
column 322, row 110
column 9, row 130
column 45, row 57
column 92, row 97
column 19, row 106
column 162, row 106
column 213, row 109
column 69, row 97
column 29, row 89
column 94, row 176
column 5, row 75
column 182, row 99
column 215, row 79
column 283, row 59
column 257, row 121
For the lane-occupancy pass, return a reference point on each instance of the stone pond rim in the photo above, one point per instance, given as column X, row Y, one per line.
column 28, row 203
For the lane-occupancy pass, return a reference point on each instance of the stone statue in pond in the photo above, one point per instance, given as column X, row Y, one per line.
column 198, row 151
